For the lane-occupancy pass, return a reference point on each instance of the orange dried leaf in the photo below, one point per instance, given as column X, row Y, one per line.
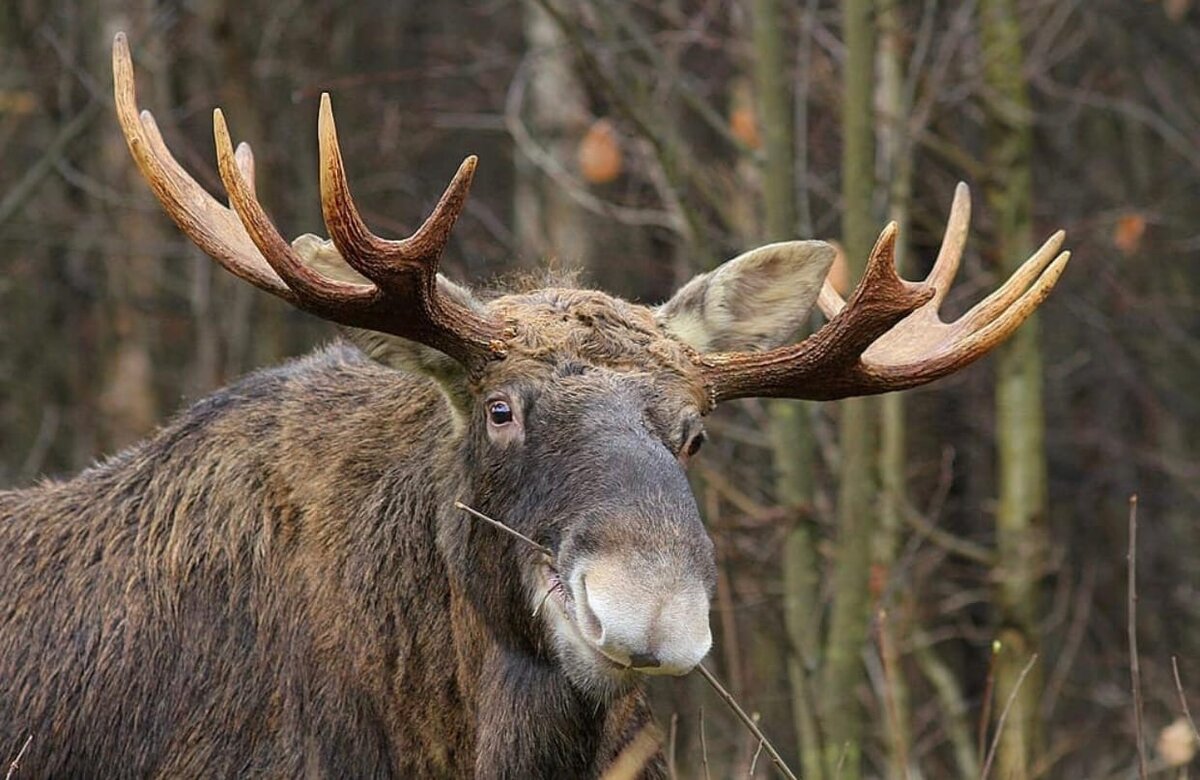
column 1127, row 234
column 744, row 125
column 600, row 158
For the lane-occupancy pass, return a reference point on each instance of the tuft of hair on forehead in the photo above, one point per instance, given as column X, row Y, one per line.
column 528, row 281
column 556, row 324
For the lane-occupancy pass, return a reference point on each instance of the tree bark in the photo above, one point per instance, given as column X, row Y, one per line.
column 792, row 444
column 896, row 152
column 844, row 674
column 1019, row 414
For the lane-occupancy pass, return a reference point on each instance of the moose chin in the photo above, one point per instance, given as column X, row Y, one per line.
column 278, row 582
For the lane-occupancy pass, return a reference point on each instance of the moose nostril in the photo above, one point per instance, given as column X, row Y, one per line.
column 588, row 619
column 644, row 661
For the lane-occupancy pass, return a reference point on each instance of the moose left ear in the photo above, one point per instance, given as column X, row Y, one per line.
column 758, row 300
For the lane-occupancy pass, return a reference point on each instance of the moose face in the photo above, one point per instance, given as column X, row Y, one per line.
column 579, row 438
column 589, row 461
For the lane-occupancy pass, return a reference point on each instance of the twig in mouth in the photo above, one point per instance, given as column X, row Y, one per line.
column 746, row 719
column 16, row 762
column 1135, row 667
column 544, row 550
column 541, row 604
column 1012, row 697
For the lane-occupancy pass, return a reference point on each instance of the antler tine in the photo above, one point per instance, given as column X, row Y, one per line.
column 816, row 368
column 378, row 259
column 889, row 336
column 941, row 276
column 323, row 296
column 954, row 240
column 211, row 226
column 402, row 298
column 990, row 307
column 405, row 270
column 244, row 156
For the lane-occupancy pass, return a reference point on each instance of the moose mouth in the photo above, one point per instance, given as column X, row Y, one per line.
column 556, row 590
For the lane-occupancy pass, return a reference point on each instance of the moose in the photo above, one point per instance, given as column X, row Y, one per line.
column 277, row 583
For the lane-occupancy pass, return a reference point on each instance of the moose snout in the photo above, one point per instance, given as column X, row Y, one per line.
column 653, row 621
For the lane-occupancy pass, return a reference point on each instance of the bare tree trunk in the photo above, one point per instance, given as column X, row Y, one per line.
column 1019, row 413
column 792, row 441
column 844, row 673
column 896, row 152
column 548, row 225
column 127, row 400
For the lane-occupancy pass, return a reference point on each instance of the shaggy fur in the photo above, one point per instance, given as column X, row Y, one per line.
column 276, row 584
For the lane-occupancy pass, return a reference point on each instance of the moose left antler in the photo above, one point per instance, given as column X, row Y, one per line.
column 400, row 291
column 889, row 335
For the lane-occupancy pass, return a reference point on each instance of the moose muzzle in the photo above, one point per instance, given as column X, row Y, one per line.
column 641, row 613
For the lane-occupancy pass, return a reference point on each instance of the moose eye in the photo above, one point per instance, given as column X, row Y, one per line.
column 500, row 413
column 694, row 444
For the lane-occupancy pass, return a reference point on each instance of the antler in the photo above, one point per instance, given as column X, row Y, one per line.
column 401, row 297
column 889, row 335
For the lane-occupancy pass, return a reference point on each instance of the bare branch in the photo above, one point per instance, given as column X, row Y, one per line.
column 746, row 719
column 1187, row 713
column 987, row 765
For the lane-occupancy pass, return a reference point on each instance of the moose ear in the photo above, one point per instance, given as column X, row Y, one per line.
column 756, row 301
column 384, row 348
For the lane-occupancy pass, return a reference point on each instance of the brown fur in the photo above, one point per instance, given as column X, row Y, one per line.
column 276, row 584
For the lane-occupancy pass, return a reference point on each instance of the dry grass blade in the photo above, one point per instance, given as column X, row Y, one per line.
column 1012, row 697
column 630, row 762
column 16, row 762
column 746, row 719
column 546, row 551
column 1135, row 669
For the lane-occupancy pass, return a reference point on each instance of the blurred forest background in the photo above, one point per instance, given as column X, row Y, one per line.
column 930, row 584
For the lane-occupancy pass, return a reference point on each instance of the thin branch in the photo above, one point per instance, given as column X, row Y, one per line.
column 888, row 657
column 1187, row 713
column 672, row 771
column 746, row 719
column 1012, row 697
column 989, row 689
column 1135, row 669
column 546, row 551
column 703, row 746
column 16, row 762
column 754, row 761
column 20, row 193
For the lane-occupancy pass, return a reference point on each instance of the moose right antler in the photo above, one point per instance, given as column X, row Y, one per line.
column 889, row 336
column 402, row 296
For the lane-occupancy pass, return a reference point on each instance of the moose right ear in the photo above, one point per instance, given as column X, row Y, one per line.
column 756, row 301
column 384, row 348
